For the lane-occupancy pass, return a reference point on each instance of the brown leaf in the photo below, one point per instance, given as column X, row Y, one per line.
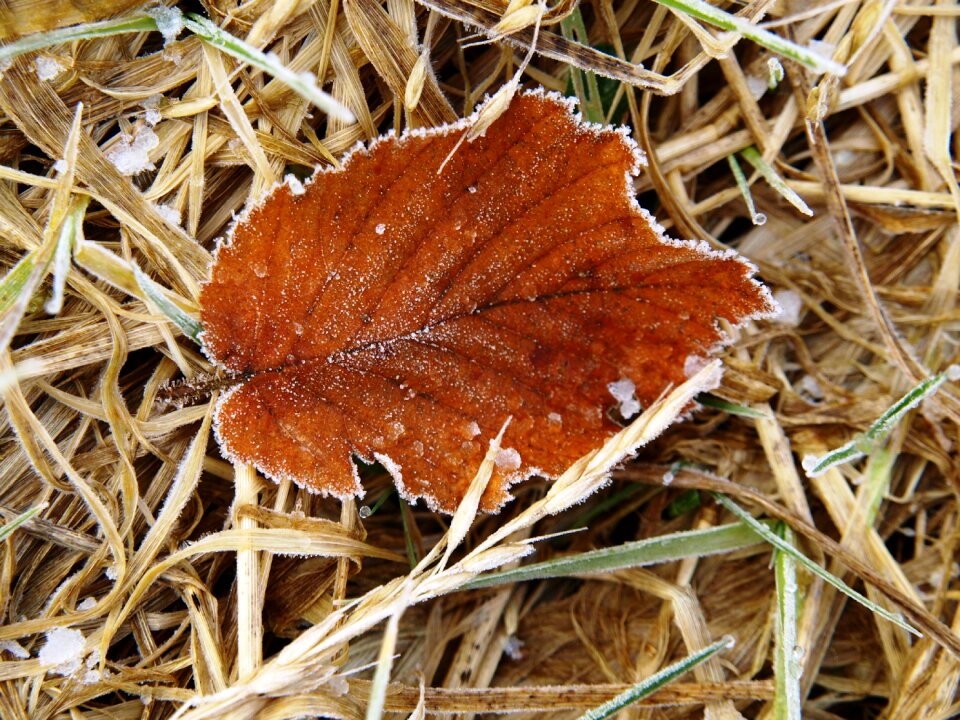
column 396, row 313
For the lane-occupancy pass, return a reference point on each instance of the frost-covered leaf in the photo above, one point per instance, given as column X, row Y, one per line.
column 398, row 313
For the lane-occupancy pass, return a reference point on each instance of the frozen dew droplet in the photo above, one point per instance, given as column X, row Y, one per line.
column 380, row 228
column 953, row 373
column 365, row 511
column 472, row 189
column 473, row 429
column 260, row 270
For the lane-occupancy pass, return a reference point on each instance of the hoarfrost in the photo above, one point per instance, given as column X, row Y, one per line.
column 293, row 182
column 60, row 166
column 380, row 228
column 169, row 22
column 473, row 429
column 87, row 604
column 63, row 650
column 152, row 107
column 131, row 155
column 555, row 418
column 791, row 305
column 623, row 391
column 809, row 387
column 15, row 649
column 47, row 68
column 169, row 213
column 507, row 459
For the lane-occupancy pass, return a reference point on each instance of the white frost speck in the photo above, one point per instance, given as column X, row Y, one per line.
column 555, row 419
column 507, row 459
column 111, row 571
column 152, row 107
column 668, row 477
column 809, row 387
column 60, row 166
column 473, row 429
column 131, row 155
column 15, row 649
column 87, row 604
column 169, row 213
column 757, row 86
column 63, row 650
column 791, row 305
column 169, row 22
column 623, row 392
column 380, row 229
column 953, row 373
column 514, row 648
column 293, row 182
column 472, row 189
column 47, row 68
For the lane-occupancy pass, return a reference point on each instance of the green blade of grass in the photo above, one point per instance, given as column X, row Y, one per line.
column 37, row 41
column 154, row 293
column 775, row 540
column 19, row 520
column 718, row 18
column 753, row 157
column 303, row 84
column 713, row 401
column 657, row 681
column 666, row 548
column 787, row 666
column 878, row 431
column 755, row 217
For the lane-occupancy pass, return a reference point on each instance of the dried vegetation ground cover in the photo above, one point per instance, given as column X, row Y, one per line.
column 195, row 588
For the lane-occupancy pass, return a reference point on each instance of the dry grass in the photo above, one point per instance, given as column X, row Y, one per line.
column 204, row 591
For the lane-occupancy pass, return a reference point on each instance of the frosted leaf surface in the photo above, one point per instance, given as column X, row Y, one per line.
column 518, row 283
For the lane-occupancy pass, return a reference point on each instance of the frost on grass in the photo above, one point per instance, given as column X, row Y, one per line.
column 15, row 649
column 132, row 154
column 169, row 22
column 47, row 67
column 169, row 213
column 624, row 392
column 63, row 651
column 151, row 106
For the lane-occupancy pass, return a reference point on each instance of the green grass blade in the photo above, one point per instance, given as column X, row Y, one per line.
column 755, row 217
column 787, row 666
column 753, row 157
column 877, row 433
column 718, row 18
column 666, row 548
column 19, row 520
column 713, row 401
column 303, row 84
column 656, row 681
column 775, row 540
column 154, row 293
column 37, row 41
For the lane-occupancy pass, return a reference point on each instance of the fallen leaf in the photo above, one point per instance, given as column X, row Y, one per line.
column 394, row 313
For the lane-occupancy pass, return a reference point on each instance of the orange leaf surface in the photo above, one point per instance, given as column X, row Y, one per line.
column 393, row 312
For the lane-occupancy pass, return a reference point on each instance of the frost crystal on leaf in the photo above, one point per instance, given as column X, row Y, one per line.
column 624, row 392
